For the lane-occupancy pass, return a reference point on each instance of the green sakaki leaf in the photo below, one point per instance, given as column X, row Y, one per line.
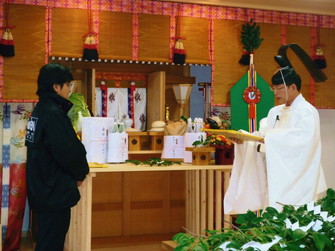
column 298, row 234
column 320, row 241
column 180, row 237
column 202, row 246
column 182, row 248
column 331, row 194
column 185, row 243
column 293, row 247
column 241, row 219
column 235, row 244
column 251, row 249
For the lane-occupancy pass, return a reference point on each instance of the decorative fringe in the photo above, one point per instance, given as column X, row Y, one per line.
column 90, row 49
column 7, row 44
column 179, row 53
column 245, row 59
column 319, row 58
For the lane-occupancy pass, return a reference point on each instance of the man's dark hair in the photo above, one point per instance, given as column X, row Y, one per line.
column 289, row 75
column 51, row 74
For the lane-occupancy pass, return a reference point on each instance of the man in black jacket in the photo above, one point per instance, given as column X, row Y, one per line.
column 56, row 159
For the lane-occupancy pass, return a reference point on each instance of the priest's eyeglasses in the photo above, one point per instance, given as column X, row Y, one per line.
column 274, row 89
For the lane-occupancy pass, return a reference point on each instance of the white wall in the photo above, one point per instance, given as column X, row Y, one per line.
column 327, row 119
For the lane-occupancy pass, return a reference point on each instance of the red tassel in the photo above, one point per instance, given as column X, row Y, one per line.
column 179, row 53
column 90, row 48
column 7, row 44
column 319, row 58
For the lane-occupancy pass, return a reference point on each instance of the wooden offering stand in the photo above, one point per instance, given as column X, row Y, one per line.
column 201, row 155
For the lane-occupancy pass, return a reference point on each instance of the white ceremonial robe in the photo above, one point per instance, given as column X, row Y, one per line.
column 247, row 188
column 289, row 172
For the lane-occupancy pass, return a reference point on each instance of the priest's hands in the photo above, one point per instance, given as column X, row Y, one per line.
column 235, row 140
column 239, row 141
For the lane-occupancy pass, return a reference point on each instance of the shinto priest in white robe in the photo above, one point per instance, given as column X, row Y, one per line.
column 289, row 169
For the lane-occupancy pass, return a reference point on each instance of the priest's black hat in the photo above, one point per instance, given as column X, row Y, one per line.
column 287, row 76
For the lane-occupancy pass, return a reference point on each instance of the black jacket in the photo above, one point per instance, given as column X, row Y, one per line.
column 56, row 158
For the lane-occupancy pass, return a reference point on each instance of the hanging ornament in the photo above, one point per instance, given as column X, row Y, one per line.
column 316, row 73
column 7, row 42
column 319, row 58
column 179, row 52
column 90, row 51
column 250, row 39
column 252, row 96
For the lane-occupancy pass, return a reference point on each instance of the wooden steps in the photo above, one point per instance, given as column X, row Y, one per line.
column 169, row 245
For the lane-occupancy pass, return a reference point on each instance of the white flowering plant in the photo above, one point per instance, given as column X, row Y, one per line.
column 308, row 227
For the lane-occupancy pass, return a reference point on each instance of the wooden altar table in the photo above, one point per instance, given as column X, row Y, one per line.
column 205, row 189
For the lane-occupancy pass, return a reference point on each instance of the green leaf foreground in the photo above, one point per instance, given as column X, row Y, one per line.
column 154, row 162
column 265, row 228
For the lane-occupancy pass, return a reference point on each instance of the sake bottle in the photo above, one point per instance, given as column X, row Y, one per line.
column 196, row 125
column 115, row 128
column 189, row 125
column 121, row 127
column 201, row 124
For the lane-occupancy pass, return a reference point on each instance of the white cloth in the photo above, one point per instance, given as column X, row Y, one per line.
column 291, row 173
column 140, row 106
column 98, row 102
column 248, row 186
column 117, row 103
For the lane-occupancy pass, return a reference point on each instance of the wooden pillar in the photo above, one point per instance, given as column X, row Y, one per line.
column 204, row 200
column 210, row 184
column 81, row 219
column 218, row 200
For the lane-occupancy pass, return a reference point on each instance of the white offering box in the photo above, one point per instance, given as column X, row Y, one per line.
column 189, row 138
column 117, row 147
column 173, row 147
column 94, row 137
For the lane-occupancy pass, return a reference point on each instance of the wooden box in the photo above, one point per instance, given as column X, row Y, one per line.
column 134, row 140
column 224, row 155
column 156, row 140
column 201, row 155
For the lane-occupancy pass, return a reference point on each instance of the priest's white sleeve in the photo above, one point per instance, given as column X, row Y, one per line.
column 247, row 188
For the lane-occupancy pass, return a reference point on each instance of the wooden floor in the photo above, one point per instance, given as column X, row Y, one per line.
column 138, row 243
